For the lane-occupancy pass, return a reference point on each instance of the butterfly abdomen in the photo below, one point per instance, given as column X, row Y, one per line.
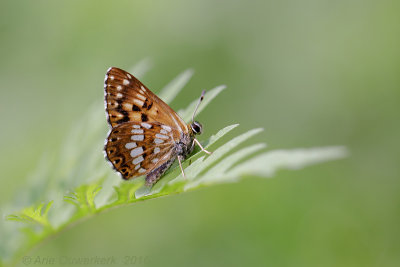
column 156, row 174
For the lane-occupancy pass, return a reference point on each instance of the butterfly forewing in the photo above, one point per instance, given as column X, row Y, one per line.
column 128, row 100
column 135, row 149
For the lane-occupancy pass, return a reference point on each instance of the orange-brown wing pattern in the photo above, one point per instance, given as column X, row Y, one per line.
column 135, row 149
column 128, row 100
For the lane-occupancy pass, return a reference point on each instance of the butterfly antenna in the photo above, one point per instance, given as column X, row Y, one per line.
column 198, row 104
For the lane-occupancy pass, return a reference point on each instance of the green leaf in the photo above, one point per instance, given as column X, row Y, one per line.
column 83, row 197
column 214, row 138
column 141, row 68
column 226, row 164
column 33, row 214
column 227, row 147
column 126, row 191
column 186, row 114
column 169, row 92
column 268, row 163
column 193, row 174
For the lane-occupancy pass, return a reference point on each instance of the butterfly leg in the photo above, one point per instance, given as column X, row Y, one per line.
column 180, row 158
column 201, row 147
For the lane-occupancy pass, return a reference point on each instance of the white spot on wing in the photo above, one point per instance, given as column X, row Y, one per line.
column 142, row 87
column 119, row 87
column 155, row 160
column 130, row 145
column 137, row 160
column 141, row 96
column 167, row 128
column 163, row 131
column 146, row 125
column 127, row 106
column 141, row 170
column 137, row 131
column 137, row 137
column 119, row 95
column 158, row 141
column 161, row 136
column 156, row 150
column 111, row 78
column 129, row 76
column 137, row 166
column 125, row 82
column 136, row 152
column 139, row 102
column 136, row 126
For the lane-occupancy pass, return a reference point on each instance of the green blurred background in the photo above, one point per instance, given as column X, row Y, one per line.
column 312, row 73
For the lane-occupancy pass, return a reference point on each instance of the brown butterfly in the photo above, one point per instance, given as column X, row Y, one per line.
column 146, row 135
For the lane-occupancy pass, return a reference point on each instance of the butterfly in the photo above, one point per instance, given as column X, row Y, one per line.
column 146, row 134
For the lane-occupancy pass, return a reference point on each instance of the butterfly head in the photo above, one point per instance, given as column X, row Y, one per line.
column 196, row 127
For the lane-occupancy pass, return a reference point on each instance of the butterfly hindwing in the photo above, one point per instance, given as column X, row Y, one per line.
column 135, row 149
column 128, row 100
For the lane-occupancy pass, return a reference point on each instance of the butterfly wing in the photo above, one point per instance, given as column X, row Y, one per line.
column 128, row 100
column 135, row 149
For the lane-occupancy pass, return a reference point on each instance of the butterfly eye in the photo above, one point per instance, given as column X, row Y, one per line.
column 196, row 127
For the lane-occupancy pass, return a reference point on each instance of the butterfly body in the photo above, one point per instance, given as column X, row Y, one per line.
column 181, row 149
column 146, row 135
